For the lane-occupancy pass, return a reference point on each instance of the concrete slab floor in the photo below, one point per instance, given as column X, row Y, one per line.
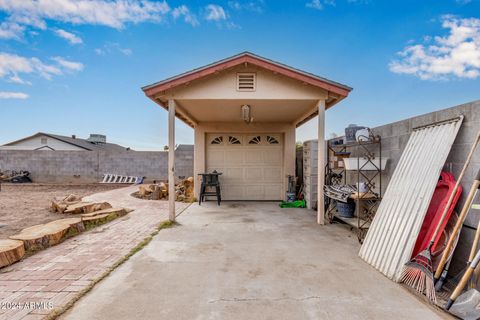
column 249, row 260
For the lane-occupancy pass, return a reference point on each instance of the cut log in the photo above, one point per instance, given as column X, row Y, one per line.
column 144, row 190
column 58, row 206
column 10, row 251
column 41, row 236
column 72, row 198
column 100, row 217
column 81, row 207
column 97, row 207
column 44, row 235
column 156, row 193
column 98, row 220
column 114, row 211
column 76, row 225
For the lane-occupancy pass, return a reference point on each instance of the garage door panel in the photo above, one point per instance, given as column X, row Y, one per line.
column 232, row 192
column 273, row 157
column 216, row 157
column 254, row 192
column 253, row 174
column 273, row 192
column 231, row 175
column 234, row 156
column 254, row 156
column 272, row 174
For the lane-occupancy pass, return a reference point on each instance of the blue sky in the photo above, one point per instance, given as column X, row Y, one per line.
column 76, row 67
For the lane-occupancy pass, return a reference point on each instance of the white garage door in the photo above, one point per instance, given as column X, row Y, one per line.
column 252, row 165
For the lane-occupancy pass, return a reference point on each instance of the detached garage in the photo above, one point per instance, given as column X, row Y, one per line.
column 244, row 111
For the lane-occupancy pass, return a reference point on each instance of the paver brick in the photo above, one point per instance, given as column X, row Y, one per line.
column 57, row 274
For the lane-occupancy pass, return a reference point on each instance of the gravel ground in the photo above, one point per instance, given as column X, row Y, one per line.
column 25, row 205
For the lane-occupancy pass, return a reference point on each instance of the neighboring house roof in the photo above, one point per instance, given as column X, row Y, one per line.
column 78, row 142
column 247, row 57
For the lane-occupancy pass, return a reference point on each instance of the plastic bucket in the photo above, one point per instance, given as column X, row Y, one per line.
column 350, row 132
column 346, row 210
column 290, row 196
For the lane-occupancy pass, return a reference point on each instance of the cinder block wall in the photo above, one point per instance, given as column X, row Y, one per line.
column 395, row 137
column 90, row 166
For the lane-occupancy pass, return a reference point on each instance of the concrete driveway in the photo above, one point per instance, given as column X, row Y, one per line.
column 249, row 260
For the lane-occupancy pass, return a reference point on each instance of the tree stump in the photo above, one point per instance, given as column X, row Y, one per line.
column 81, row 207
column 103, row 216
column 118, row 212
column 98, row 207
column 45, row 235
column 11, row 251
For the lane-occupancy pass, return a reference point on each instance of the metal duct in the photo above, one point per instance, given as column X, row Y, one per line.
column 392, row 235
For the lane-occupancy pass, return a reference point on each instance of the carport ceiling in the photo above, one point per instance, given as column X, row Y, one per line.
column 261, row 110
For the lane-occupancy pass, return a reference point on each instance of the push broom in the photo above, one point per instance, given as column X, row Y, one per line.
column 418, row 272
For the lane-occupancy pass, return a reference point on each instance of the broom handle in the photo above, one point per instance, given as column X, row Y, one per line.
column 446, row 252
column 458, row 225
column 452, row 195
column 473, row 251
column 463, row 282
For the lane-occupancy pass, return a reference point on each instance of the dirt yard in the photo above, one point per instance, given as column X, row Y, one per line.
column 25, row 205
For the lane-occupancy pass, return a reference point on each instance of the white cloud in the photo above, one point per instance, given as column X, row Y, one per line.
column 114, row 13
column 11, row 66
column 319, row 5
column 112, row 46
column 11, row 30
column 100, row 52
column 254, row 6
column 67, row 64
column 110, row 13
column 13, row 95
column 188, row 17
column 215, row 12
column 70, row 37
column 126, row 51
column 456, row 54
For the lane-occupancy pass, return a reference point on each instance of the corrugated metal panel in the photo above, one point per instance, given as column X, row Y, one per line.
column 390, row 240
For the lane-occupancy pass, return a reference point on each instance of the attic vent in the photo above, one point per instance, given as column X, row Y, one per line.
column 246, row 81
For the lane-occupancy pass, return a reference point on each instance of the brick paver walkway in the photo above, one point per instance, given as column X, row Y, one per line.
column 49, row 280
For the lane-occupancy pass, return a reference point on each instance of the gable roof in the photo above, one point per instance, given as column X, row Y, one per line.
column 246, row 57
column 78, row 142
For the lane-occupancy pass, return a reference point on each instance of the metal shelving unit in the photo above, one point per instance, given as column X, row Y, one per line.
column 366, row 203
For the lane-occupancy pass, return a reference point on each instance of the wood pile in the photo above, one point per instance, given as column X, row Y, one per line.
column 73, row 204
column 183, row 191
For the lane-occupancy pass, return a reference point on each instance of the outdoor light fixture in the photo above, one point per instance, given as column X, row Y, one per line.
column 246, row 113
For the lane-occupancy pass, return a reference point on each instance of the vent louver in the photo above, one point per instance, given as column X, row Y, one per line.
column 246, row 81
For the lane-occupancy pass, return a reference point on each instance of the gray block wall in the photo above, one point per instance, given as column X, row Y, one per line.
column 395, row 137
column 90, row 166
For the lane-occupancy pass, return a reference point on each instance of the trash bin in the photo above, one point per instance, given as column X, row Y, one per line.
column 346, row 209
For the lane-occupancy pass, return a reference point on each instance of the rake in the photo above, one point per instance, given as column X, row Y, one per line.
column 418, row 272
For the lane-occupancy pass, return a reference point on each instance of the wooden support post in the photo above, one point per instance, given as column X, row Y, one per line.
column 171, row 160
column 321, row 162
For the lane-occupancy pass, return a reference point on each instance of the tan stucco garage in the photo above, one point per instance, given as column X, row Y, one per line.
column 244, row 111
